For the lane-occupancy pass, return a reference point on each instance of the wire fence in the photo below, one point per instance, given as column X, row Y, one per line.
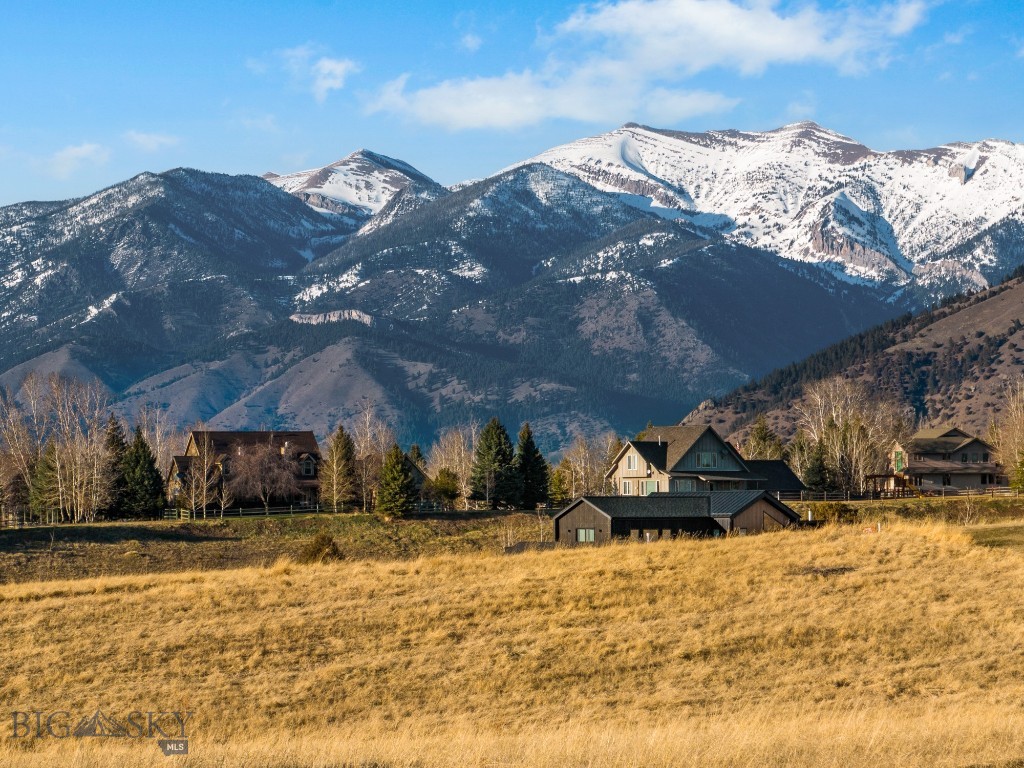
column 899, row 493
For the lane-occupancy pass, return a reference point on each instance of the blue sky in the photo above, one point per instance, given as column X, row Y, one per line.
column 95, row 92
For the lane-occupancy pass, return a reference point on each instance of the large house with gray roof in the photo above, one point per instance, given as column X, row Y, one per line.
column 682, row 459
column 946, row 457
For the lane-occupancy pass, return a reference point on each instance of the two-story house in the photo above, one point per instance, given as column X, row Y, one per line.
column 216, row 451
column 946, row 457
column 691, row 458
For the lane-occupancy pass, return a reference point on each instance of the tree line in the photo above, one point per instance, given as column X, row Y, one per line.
column 468, row 466
column 65, row 458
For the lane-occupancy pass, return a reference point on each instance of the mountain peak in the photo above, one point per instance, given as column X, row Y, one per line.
column 358, row 186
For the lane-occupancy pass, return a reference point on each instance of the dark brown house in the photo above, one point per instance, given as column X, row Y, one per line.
column 218, row 450
column 599, row 519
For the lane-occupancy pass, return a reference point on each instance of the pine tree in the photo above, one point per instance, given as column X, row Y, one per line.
column 338, row 472
column 816, row 476
column 493, row 478
column 396, row 493
column 144, row 488
column 445, row 487
column 44, row 496
column 558, row 485
column 763, row 442
column 416, row 457
column 532, row 470
column 117, row 450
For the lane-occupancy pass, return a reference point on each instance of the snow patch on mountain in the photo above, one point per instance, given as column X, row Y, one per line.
column 815, row 196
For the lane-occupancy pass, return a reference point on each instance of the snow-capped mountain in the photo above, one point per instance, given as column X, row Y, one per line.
column 152, row 264
column 928, row 221
column 359, row 186
column 617, row 279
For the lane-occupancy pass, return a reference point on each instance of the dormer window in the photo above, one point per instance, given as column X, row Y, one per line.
column 308, row 468
column 707, row 460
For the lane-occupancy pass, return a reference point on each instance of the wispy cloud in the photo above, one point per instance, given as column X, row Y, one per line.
column 63, row 163
column 266, row 123
column 309, row 68
column 634, row 59
column 151, row 142
column 471, row 42
column 802, row 108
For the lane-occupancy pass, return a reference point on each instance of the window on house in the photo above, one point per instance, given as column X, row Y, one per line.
column 684, row 484
column 707, row 460
column 631, row 461
column 627, row 488
column 585, row 535
column 649, row 486
column 984, row 458
column 974, row 458
column 308, row 468
column 963, row 458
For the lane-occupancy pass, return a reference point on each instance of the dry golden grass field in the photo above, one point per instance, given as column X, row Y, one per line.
column 832, row 647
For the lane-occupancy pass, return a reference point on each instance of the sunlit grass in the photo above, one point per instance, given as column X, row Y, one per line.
column 829, row 647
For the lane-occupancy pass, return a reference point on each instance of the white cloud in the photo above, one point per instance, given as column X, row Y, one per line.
column 329, row 75
column 310, row 69
column 630, row 59
column 65, row 162
column 471, row 42
column 151, row 142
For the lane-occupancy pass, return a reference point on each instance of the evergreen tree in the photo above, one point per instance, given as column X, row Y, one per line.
column 338, row 472
column 816, row 475
column 416, row 457
column 144, row 488
column 43, row 495
column 117, row 450
column 763, row 443
column 396, row 493
column 445, row 487
column 493, row 478
column 532, row 470
column 558, row 485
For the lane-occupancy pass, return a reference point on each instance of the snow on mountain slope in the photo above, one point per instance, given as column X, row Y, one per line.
column 358, row 186
column 902, row 219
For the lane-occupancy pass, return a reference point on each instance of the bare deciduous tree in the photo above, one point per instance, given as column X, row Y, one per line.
column 202, row 476
column 1008, row 433
column 373, row 437
column 455, row 450
column 261, row 471
column 854, row 428
column 587, row 460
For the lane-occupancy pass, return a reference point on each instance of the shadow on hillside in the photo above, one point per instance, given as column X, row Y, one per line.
column 19, row 540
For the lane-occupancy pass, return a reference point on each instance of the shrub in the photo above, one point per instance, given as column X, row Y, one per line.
column 322, row 548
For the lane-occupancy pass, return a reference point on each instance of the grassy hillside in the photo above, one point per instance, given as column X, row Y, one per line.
column 109, row 549
column 949, row 364
column 828, row 647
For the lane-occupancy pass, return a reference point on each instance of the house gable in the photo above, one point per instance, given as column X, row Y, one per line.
column 707, row 453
